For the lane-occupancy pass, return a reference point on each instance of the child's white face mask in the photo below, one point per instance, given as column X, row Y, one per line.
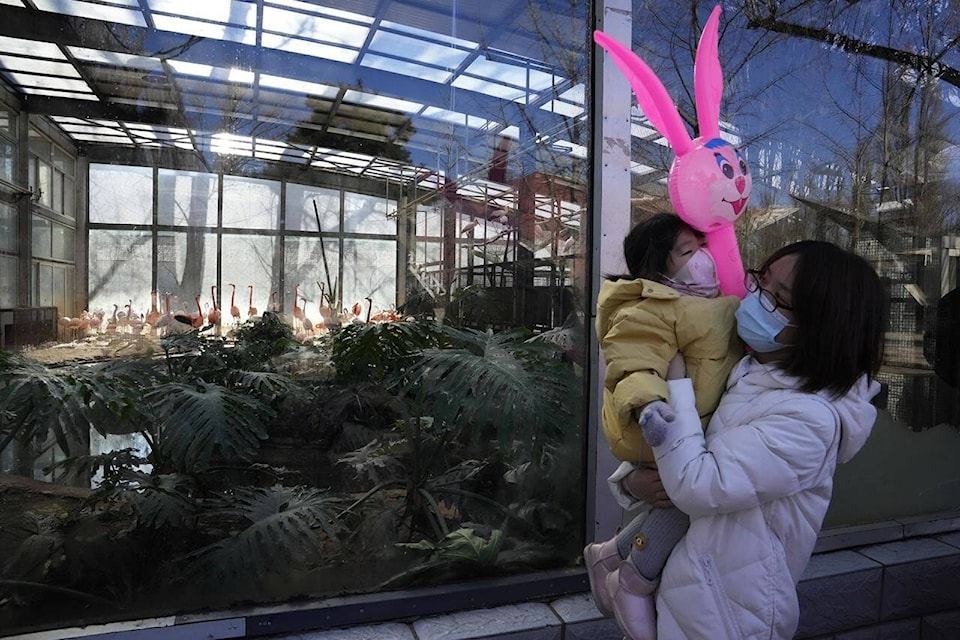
column 698, row 277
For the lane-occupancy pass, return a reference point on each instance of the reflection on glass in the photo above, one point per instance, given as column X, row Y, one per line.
column 187, row 199
column 370, row 274
column 301, row 215
column 7, row 160
column 313, row 267
column 187, row 268
column 249, row 262
column 8, row 282
column 120, row 194
column 369, row 214
column 42, row 237
column 44, row 285
column 251, row 203
column 119, row 268
column 62, row 243
column 8, row 228
column 395, row 162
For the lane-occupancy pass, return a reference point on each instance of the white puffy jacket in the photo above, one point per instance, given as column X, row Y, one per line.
column 756, row 486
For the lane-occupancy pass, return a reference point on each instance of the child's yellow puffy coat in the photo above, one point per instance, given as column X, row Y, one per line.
column 641, row 325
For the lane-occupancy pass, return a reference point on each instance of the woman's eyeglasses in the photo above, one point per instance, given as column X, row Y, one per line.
column 751, row 280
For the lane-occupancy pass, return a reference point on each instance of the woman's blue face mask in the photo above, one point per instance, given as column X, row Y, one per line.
column 758, row 327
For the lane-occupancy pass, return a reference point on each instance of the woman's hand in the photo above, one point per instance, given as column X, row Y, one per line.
column 644, row 484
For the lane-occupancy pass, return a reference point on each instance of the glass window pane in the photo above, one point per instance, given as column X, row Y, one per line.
column 56, row 197
column 369, row 214
column 8, row 281
column 42, row 238
column 44, row 282
column 121, row 195
column 119, row 268
column 306, row 265
column 62, row 242
column 63, row 161
column 8, row 165
column 8, row 228
column 187, row 199
column 8, row 120
column 301, row 215
column 58, row 290
column 249, row 263
column 45, row 183
column 250, row 203
column 69, row 185
column 370, row 270
column 186, row 268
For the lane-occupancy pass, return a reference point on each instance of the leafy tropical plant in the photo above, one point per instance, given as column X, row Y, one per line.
column 274, row 529
column 371, row 352
column 204, row 420
column 502, row 382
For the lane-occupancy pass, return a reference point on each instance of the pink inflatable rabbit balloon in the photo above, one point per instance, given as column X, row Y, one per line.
column 709, row 181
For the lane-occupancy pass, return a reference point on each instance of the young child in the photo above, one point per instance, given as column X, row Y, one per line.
column 665, row 314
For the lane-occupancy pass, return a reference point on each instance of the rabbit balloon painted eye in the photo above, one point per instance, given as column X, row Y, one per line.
column 709, row 181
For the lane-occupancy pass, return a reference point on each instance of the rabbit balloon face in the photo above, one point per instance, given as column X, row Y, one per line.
column 710, row 184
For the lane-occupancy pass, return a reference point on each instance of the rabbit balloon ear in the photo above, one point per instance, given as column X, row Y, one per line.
column 651, row 95
column 708, row 78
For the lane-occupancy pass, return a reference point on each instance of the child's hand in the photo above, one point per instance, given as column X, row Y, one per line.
column 655, row 420
column 677, row 368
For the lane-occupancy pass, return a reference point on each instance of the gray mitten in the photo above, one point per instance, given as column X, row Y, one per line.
column 655, row 420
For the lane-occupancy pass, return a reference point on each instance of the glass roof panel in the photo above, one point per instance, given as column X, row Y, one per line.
column 25, row 80
column 309, row 7
column 31, row 48
column 97, row 11
column 221, row 11
column 12, row 3
column 563, row 108
column 314, row 27
column 299, row 86
column 177, row 24
column 116, row 59
column 455, row 117
column 511, row 73
column 429, row 35
column 308, row 48
column 494, row 89
column 418, row 49
column 32, row 65
column 405, row 68
column 382, row 102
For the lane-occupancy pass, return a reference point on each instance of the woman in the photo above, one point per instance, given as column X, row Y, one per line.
column 757, row 485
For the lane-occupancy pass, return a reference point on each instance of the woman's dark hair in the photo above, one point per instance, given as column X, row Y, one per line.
column 648, row 245
column 840, row 309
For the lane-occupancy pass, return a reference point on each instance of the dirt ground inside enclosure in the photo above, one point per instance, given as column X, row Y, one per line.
column 94, row 348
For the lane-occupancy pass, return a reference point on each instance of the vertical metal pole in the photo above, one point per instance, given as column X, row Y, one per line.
column 610, row 222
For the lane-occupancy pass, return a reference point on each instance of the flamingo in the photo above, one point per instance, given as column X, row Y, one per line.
column 297, row 311
column 234, row 309
column 274, row 305
column 304, row 320
column 154, row 314
column 251, row 310
column 369, row 308
column 213, row 315
column 112, row 321
column 326, row 313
